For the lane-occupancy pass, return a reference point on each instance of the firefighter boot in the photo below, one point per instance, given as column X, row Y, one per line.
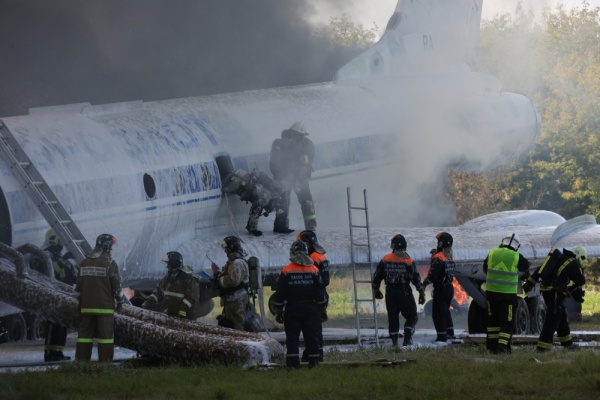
column 394, row 337
column 450, row 333
column 407, row 337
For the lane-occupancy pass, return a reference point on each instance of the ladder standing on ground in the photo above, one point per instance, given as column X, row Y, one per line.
column 356, row 265
column 42, row 196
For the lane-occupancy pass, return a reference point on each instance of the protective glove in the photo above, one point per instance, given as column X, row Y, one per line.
column 324, row 316
column 377, row 294
column 215, row 268
column 279, row 318
column 426, row 282
column 527, row 286
column 120, row 306
column 422, row 297
column 149, row 303
column 577, row 293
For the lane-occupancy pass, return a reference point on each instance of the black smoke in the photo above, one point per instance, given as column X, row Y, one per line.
column 68, row 51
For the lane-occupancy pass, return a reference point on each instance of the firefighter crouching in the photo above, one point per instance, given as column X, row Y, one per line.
column 233, row 284
column 178, row 288
column 260, row 190
column 561, row 276
column 99, row 291
column 298, row 302
column 398, row 270
column 502, row 266
column 441, row 274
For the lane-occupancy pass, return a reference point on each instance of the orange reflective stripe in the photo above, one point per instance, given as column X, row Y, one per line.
column 392, row 258
column 293, row 267
column 318, row 257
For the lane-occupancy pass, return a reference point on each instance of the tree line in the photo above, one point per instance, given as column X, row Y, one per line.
column 555, row 61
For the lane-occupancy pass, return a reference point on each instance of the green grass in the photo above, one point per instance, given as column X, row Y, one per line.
column 455, row 372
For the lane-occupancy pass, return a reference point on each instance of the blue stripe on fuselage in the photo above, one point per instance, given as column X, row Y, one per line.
column 358, row 152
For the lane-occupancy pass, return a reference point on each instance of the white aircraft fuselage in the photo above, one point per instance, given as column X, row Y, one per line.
column 150, row 172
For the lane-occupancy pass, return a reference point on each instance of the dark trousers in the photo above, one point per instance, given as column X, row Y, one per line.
column 302, row 190
column 56, row 338
column 398, row 301
column 100, row 327
column 302, row 317
column 442, row 318
column 500, row 309
column 557, row 321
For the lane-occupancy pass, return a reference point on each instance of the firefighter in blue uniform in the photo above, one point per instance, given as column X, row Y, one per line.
column 441, row 275
column 319, row 257
column 502, row 266
column 398, row 270
column 566, row 279
column 64, row 271
column 298, row 302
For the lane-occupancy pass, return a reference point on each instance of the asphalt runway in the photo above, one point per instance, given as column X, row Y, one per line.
column 29, row 355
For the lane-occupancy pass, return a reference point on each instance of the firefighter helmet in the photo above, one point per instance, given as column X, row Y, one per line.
column 298, row 128
column 232, row 244
column 105, row 242
column 580, row 253
column 52, row 238
column 513, row 241
column 173, row 259
column 308, row 237
column 398, row 243
column 444, row 240
column 299, row 247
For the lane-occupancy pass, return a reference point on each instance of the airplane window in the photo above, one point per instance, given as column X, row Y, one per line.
column 149, row 186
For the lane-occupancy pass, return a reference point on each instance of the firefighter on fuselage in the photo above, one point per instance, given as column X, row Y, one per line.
column 565, row 280
column 256, row 187
column 501, row 267
column 398, row 271
column 178, row 288
column 291, row 163
column 441, row 274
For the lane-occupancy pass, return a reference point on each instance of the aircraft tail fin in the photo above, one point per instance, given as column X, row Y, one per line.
column 429, row 36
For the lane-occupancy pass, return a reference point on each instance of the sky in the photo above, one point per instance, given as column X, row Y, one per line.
column 71, row 51
column 368, row 12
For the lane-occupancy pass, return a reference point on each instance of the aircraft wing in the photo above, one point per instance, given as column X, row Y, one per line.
column 472, row 242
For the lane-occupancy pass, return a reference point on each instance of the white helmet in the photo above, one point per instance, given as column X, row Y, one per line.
column 513, row 241
column 580, row 253
column 298, row 127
